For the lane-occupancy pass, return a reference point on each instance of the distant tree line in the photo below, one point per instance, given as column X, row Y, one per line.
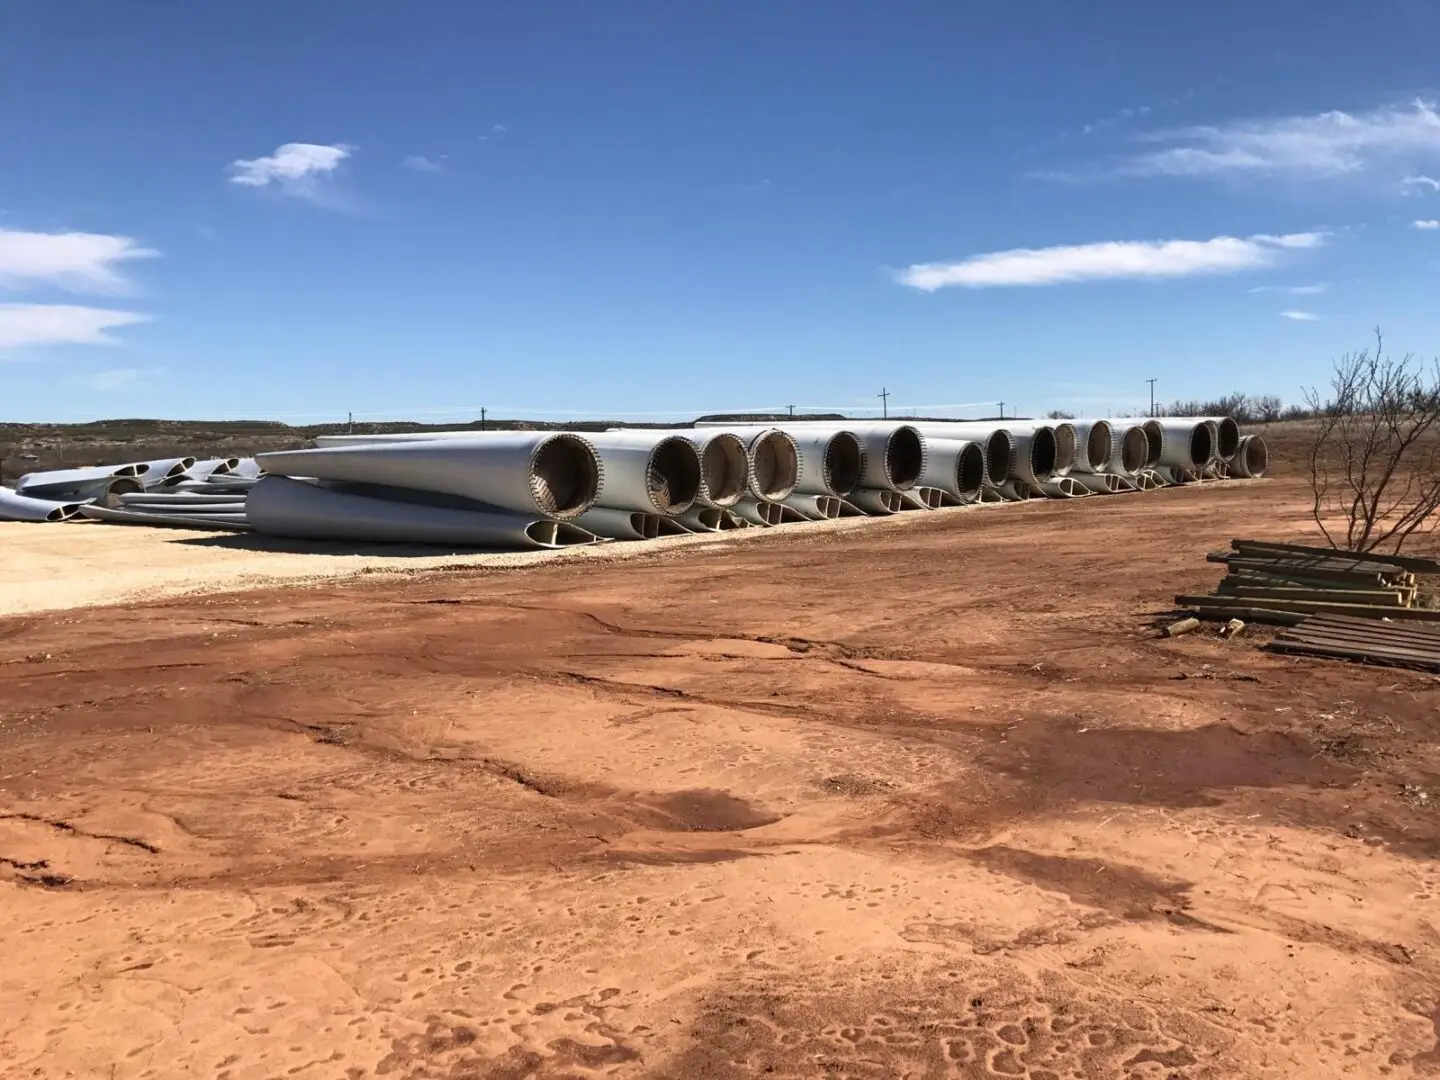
column 1244, row 408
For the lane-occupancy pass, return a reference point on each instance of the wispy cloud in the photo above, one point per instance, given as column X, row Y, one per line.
column 1317, row 146
column 1121, row 116
column 298, row 169
column 102, row 382
column 1420, row 183
column 61, row 324
column 1425, row 223
column 73, row 261
column 1300, row 316
column 1294, row 290
column 1109, row 261
column 421, row 164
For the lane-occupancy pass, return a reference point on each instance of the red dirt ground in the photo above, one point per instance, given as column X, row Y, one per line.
column 930, row 801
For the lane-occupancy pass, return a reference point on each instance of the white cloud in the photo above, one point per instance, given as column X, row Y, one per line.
column 74, row 261
column 61, row 324
column 420, row 163
column 499, row 128
column 102, row 382
column 1109, row 261
column 295, row 168
column 1420, row 182
column 1300, row 316
column 1321, row 145
column 1425, row 224
column 1294, row 290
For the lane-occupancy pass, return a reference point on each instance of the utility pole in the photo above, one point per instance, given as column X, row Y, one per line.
column 1002, row 410
column 1152, row 396
column 350, row 422
column 482, row 417
column 884, row 397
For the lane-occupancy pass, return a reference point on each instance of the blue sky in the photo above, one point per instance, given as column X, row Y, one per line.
column 294, row 210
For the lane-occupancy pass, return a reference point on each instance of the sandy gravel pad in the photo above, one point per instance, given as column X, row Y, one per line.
column 52, row 567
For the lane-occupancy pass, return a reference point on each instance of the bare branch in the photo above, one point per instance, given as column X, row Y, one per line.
column 1374, row 462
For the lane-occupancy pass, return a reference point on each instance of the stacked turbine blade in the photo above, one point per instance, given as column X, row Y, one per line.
column 517, row 489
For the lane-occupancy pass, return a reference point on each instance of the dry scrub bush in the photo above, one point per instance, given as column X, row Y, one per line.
column 1374, row 461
